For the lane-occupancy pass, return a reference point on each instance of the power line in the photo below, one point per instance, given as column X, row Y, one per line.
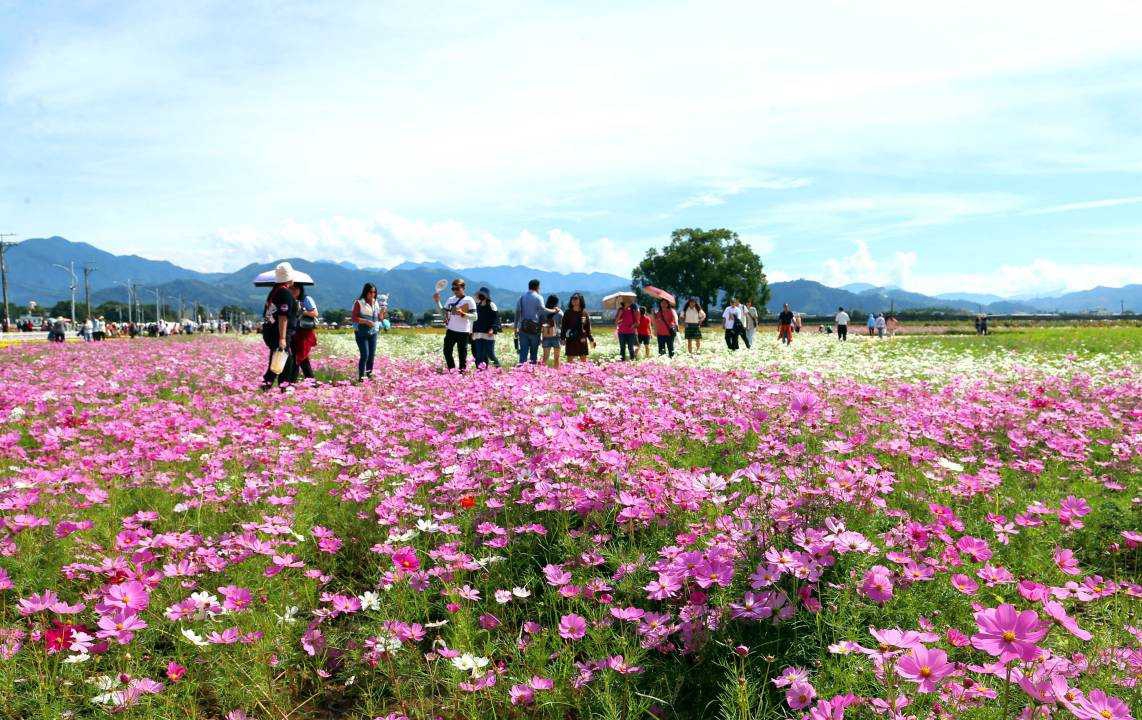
column 4, row 273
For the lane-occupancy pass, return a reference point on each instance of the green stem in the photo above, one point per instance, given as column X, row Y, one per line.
column 1006, row 692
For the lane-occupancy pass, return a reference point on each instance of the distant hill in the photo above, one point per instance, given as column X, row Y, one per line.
column 31, row 276
column 980, row 298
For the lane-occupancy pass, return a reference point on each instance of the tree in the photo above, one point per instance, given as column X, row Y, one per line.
column 703, row 264
column 335, row 316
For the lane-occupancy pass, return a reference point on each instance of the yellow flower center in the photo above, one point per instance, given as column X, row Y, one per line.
column 925, row 671
column 1105, row 714
column 1008, row 636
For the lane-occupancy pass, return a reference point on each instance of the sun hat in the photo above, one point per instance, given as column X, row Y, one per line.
column 283, row 273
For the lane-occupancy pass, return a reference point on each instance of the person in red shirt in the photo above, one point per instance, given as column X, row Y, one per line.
column 626, row 324
column 644, row 330
column 665, row 327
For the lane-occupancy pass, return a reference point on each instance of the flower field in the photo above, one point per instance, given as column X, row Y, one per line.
column 902, row 529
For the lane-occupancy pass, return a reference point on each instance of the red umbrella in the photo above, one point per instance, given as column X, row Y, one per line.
column 660, row 294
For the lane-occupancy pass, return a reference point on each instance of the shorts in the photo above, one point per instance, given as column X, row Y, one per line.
column 644, row 339
column 693, row 331
column 551, row 342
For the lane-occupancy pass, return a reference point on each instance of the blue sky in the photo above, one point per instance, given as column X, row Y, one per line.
column 984, row 147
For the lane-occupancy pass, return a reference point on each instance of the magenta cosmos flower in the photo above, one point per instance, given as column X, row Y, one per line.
column 877, row 584
column 926, row 667
column 1099, row 706
column 572, row 627
column 1008, row 634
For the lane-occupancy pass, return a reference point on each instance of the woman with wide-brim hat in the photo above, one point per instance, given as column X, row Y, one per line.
column 280, row 321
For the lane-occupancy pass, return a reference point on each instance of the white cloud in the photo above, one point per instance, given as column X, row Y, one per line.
column 868, row 215
column 1040, row 277
column 719, row 190
column 388, row 239
column 1086, row 205
column 895, row 270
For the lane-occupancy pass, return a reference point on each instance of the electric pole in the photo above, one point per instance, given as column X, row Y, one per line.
column 4, row 273
column 70, row 268
column 158, row 305
column 87, row 270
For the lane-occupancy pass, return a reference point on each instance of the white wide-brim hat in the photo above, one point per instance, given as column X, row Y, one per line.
column 284, row 273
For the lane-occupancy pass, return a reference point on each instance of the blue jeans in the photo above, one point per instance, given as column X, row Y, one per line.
column 628, row 340
column 483, row 351
column 367, row 346
column 528, row 348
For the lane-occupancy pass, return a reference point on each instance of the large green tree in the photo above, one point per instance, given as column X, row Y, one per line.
column 703, row 263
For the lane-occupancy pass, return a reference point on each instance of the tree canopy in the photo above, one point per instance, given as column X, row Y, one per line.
column 703, row 264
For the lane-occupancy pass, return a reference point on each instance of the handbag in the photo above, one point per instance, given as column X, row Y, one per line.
column 529, row 327
column 306, row 323
column 278, row 361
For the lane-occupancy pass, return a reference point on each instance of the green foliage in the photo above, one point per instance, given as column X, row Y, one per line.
column 704, row 263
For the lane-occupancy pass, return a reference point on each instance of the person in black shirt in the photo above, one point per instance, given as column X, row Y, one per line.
column 280, row 321
column 785, row 324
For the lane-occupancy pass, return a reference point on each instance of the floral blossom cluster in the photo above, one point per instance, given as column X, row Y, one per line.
column 775, row 540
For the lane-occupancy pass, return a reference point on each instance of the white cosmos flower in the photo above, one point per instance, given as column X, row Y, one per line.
column 521, row 592
column 402, row 537
column 950, row 465
column 370, row 600
column 426, row 526
column 289, row 616
column 194, row 638
column 469, row 662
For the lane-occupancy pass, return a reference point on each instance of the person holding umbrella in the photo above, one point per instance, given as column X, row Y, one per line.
column 280, row 321
column 665, row 327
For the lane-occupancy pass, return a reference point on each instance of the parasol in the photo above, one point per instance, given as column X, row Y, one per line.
column 611, row 301
column 266, row 279
column 660, row 294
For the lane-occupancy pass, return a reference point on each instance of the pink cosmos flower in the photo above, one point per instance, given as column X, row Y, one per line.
column 799, row 695
column 175, row 671
column 877, row 584
column 1067, row 562
column 572, row 627
column 1097, row 705
column 121, row 625
column 235, row 598
column 1008, row 634
column 964, row 584
column 1059, row 614
column 926, row 667
column 131, row 595
column 406, row 559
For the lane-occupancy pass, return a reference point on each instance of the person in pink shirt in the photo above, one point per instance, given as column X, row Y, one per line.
column 644, row 330
column 626, row 324
column 665, row 327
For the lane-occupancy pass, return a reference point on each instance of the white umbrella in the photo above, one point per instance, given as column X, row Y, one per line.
column 611, row 301
column 266, row 279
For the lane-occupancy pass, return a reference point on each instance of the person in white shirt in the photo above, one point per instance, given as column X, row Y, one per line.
column 459, row 311
column 734, row 325
column 751, row 318
column 842, row 320
column 880, row 325
column 692, row 317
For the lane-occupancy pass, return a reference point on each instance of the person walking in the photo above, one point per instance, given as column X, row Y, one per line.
column 626, row 325
column 484, row 329
column 842, row 320
column 733, row 322
column 305, row 338
column 644, row 330
column 693, row 316
column 529, row 314
column 552, row 330
column 576, row 330
column 880, row 325
column 366, row 319
column 86, row 330
column 459, row 310
column 280, row 314
column 665, row 327
column 751, row 318
column 871, row 324
column 785, row 325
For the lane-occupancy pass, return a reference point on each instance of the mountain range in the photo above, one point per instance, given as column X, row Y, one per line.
column 32, row 275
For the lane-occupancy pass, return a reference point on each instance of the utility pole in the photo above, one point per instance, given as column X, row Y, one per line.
column 158, row 305
column 4, row 273
column 130, row 298
column 87, row 270
column 70, row 268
